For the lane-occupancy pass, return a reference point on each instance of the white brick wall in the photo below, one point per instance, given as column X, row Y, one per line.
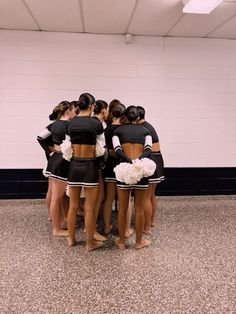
column 188, row 87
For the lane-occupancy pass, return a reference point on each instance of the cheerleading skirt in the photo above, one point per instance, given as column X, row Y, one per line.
column 142, row 184
column 83, row 172
column 57, row 167
column 108, row 172
column 158, row 175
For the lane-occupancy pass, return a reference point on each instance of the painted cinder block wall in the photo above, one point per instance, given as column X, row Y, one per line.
column 187, row 85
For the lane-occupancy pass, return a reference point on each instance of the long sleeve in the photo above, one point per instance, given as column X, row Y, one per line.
column 147, row 147
column 118, row 149
column 41, row 138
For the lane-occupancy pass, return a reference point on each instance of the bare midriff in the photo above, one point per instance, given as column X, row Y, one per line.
column 156, row 147
column 83, row 150
column 132, row 150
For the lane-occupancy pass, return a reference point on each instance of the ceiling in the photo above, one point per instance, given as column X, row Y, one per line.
column 137, row 17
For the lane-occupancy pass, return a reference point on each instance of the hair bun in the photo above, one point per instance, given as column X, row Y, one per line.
column 53, row 115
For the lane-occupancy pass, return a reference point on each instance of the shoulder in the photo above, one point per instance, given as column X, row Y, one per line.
column 145, row 129
column 49, row 127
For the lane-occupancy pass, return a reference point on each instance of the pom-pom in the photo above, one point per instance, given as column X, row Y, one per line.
column 124, row 173
column 67, row 191
column 133, row 173
column 82, row 193
column 145, row 165
column 66, row 148
column 99, row 150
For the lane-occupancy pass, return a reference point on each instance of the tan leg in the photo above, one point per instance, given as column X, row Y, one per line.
column 139, row 203
column 128, row 230
column 90, row 201
column 72, row 213
column 48, row 197
column 100, row 198
column 154, row 205
column 58, row 191
column 148, row 211
column 107, row 209
column 123, row 198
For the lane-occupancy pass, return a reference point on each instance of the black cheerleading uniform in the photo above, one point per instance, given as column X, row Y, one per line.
column 57, row 167
column 136, row 134
column 156, row 156
column 47, row 141
column 84, row 171
column 113, row 160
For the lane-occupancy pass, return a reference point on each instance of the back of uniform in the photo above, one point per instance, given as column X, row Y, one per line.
column 132, row 134
column 156, row 156
column 57, row 165
column 84, row 171
column 113, row 160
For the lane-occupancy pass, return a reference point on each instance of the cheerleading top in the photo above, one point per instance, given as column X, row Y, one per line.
column 152, row 131
column 133, row 134
column 109, row 132
column 85, row 130
column 56, row 130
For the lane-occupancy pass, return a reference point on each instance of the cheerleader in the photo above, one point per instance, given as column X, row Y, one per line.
column 157, row 177
column 112, row 105
column 84, row 132
column 57, row 166
column 100, row 112
column 132, row 141
column 48, row 147
column 117, row 114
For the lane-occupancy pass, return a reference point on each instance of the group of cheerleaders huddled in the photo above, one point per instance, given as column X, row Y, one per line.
column 100, row 153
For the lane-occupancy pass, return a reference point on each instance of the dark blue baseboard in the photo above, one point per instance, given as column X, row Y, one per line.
column 31, row 184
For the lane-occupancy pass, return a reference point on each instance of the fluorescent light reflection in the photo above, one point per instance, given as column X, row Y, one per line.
column 201, row 6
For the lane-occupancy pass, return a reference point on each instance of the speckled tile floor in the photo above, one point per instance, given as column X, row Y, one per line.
column 189, row 268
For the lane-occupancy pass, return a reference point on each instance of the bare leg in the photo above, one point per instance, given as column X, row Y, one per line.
column 100, row 198
column 148, row 211
column 139, row 202
column 65, row 207
column 154, row 205
column 90, row 199
column 128, row 230
column 110, row 196
column 123, row 197
column 58, row 191
column 48, row 197
column 72, row 213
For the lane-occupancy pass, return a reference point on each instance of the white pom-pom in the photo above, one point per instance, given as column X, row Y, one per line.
column 148, row 167
column 67, row 191
column 82, row 193
column 66, row 148
column 124, row 173
column 133, row 173
column 99, row 150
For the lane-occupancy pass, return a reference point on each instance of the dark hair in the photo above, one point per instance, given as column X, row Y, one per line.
column 85, row 100
column 75, row 104
column 111, row 106
column 60, row 109
column 113, row 103
column 99, row 105
column 118, row 111
column 141, row 112
column 131, row 113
